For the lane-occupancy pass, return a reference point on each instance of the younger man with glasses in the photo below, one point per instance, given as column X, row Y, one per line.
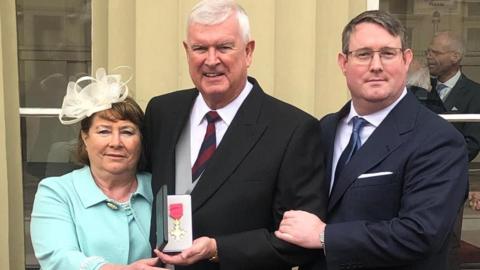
column 397, row 172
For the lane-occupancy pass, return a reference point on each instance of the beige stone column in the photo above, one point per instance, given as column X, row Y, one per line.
column 11, row 198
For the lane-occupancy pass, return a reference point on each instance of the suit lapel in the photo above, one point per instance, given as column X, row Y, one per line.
column 176, row 121
column 328, row 131
column 433, row 94
column 457, row 93
column 243, row 133
column 384, row 140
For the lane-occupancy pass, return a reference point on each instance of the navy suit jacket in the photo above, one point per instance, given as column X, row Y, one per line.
column 463, row 98
column 268, row 161
column 402, row 219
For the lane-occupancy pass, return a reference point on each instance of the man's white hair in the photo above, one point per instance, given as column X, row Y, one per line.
column 210, row 12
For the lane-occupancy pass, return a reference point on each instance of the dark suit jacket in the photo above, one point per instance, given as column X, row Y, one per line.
column 268, row 161
column 463, row 98
column 433, row 102
column 400, row 220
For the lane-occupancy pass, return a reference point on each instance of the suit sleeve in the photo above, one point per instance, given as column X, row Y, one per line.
column 434, row 188
column 471, row 130
column 299, row 186
column 147, row 146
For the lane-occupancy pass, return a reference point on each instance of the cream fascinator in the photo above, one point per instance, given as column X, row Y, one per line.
column 98, row 95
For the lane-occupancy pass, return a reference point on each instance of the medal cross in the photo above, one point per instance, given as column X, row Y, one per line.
column 177, row 232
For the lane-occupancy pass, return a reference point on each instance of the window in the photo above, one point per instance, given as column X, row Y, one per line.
column 54, row 47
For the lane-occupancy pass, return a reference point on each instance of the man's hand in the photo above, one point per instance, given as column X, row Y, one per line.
column 301, row 228
column 203, row 248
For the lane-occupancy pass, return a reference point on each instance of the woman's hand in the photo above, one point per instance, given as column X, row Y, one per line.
column 144, row 264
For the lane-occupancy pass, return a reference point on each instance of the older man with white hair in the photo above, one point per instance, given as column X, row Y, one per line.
column 244, row 156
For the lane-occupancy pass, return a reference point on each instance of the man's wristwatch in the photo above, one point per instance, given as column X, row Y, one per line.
column 322, row 239
column 214, row 258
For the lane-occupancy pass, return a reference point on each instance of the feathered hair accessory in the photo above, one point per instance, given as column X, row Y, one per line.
column 100, row 94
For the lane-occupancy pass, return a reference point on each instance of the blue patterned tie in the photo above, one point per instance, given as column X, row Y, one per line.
column 441, row 90
column 353, row 145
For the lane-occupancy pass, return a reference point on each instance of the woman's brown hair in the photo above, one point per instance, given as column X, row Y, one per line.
column 127, row 110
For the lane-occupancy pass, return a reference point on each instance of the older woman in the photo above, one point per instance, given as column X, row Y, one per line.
column 97, row 217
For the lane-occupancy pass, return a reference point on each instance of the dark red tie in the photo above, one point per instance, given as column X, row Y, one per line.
column 208, row 147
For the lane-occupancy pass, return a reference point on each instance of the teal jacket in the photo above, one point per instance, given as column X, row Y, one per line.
column 74, row 226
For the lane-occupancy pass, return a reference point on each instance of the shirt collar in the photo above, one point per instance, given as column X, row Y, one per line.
column 376, row 118
column 450, row 83
column 227, row 113
column 90, row 194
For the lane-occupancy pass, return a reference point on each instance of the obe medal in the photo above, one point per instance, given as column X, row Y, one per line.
column 176, row 213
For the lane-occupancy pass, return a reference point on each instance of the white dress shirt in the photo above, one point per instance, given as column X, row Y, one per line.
column 344, row 130
column 450, row 83
column 198, row 123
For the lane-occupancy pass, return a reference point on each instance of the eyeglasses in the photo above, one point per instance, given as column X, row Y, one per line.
column 365, row 55
column 435, row 52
